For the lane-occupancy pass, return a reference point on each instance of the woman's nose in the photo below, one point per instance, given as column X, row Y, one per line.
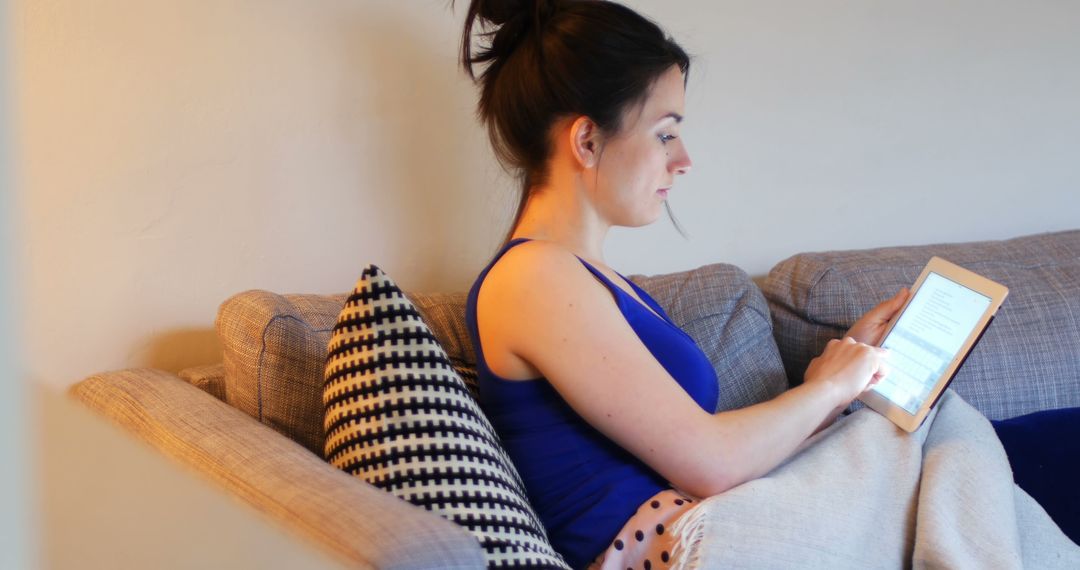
column 681, row 162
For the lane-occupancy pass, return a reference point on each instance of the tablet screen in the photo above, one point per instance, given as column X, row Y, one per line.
column 927, row 337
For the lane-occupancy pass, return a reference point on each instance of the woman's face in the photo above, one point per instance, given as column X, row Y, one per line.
column 639, row 164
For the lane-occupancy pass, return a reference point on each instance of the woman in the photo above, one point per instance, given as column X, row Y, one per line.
column 583, row 101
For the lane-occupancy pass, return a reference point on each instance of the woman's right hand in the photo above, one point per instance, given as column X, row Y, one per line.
column 849, row 366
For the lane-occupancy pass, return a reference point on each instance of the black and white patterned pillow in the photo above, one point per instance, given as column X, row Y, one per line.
column 401, row 418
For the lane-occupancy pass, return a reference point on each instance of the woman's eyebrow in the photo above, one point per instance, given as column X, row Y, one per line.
column 678, row 118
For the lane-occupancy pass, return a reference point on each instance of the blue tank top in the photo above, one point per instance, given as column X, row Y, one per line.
column 583, row 485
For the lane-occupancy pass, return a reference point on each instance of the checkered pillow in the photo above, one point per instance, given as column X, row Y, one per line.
column 399, row 417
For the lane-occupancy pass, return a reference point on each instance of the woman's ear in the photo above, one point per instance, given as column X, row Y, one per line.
column 585, row 141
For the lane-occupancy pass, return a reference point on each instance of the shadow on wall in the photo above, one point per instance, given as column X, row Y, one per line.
column 406, row 110
column 413, row 111
column 178, row 349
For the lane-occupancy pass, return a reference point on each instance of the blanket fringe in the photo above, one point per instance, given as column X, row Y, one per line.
column 689, row 532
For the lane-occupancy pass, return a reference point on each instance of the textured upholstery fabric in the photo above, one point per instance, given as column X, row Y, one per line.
column 363, row 526
column 722, row 309
column 275, row 345
column 400, row 418
column 274, row 351
column 209, row 378
column 1029, row 358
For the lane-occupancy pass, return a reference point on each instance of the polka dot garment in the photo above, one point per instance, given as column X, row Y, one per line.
column 645, row 541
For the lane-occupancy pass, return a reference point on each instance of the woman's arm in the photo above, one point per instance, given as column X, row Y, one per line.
column 870, row 329
column 578, row 339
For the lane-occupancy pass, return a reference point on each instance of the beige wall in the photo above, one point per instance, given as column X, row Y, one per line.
column 173, row 153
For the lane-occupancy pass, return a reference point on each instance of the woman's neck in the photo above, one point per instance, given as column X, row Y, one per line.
column 564, row 216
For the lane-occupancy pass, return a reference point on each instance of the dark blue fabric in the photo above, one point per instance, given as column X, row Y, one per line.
column 1044, row 452
column 584, row 486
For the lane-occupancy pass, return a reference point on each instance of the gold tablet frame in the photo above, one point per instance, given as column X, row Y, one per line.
column 995, row 291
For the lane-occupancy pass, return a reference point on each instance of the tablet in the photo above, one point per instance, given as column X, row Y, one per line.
column 929, row 339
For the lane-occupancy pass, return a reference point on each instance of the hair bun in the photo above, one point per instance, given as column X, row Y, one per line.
column 499, row 12
column 513, row 18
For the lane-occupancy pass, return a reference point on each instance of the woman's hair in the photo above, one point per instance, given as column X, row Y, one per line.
column 549, row 59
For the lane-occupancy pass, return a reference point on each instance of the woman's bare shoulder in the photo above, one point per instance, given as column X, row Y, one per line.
column 530, row 264
column 520, row 296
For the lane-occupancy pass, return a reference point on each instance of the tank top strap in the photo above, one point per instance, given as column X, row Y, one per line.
column 649, row 302
column 511, row 244
column 587, row 265
column 599, row 274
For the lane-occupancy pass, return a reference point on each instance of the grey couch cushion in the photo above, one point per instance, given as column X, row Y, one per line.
column 1029, row 358
column 273, row 349
column 722, row 309
column 275, row 345
column 274, row 352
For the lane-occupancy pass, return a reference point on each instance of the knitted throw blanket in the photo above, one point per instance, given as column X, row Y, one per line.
column 865, row 494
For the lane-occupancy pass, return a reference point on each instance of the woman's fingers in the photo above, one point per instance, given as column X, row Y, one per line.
column 881, row 372
column 889, row 306
column 898, row 300
column 851, row 363
column 871, row 326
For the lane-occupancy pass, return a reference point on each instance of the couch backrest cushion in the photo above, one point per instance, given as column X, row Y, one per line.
column 275, row 345
column 274, row 352
column 1029, row 358
column 725, row 313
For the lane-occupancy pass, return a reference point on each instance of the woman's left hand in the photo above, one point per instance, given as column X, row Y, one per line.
column 871, row 327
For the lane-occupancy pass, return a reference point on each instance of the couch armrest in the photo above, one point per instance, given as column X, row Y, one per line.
column 364, row 526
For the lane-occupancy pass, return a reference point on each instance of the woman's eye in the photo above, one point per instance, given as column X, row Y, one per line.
column 665, row 138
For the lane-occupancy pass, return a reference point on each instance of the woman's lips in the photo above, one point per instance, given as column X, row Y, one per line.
column 663, row 192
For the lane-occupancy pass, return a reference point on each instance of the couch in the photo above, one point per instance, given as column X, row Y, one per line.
column 253, row 422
